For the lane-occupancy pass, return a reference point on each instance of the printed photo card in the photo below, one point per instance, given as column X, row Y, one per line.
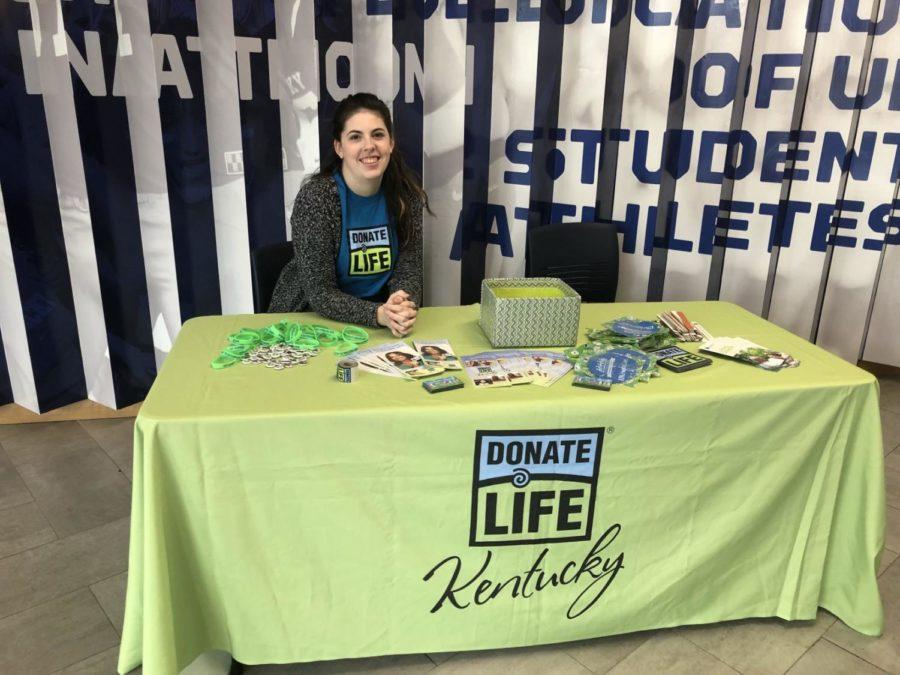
column 438, row 353
column 408, row 361
column 371, row 361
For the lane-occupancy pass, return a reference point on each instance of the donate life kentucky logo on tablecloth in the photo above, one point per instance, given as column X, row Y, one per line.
column 533, row 487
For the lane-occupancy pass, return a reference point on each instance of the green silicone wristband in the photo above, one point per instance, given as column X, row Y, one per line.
column 292, row 333
column 345, row 347
column 325, row 331
column 328, row 340
column 236, row 351
column 354, row 334
column 223, row 361
column 304, row 343
column 245, row 336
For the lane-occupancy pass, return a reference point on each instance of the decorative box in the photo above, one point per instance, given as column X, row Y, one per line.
column 536, row 312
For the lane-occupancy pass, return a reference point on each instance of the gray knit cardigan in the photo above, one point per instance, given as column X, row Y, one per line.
column 309, row 280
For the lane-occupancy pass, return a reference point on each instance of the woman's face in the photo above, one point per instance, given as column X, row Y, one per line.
column 365, row 150
column 396, row 357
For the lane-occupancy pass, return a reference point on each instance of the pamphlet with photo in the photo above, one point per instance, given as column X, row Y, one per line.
column 408, row 361
column 370, row 360
column 438, row 353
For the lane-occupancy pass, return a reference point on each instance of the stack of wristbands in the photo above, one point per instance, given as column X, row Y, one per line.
column 287, row 343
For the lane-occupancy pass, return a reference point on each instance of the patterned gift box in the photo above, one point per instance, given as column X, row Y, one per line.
column 530, row 320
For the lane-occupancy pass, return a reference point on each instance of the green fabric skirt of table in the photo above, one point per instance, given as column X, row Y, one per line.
column 285, row 516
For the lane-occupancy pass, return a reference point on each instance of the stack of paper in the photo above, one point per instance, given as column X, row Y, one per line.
column 507, row 368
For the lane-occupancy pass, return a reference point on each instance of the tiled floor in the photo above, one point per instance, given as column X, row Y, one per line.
column 64, row 504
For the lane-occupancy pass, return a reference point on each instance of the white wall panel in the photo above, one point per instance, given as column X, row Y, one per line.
column 645, row 107
column 744, row 273
column 512, row 107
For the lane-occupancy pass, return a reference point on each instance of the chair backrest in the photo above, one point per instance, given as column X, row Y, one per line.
column 266, row 264
column 584, row 255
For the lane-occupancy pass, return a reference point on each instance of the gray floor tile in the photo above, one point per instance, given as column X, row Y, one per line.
column 23, row 527
column 38, row 575
column 44, row 440
column 215, row 662
column 54, row 635
column 825, row 658
column 103, row 663
column 887, row 559
column 7, row 430
column 759, row 645
column 520, row 660
column 79, row 490
column 890, row 430
column 440, row 657
column 892, row 479
column 890, row 392
column 601, row 654
column 116, row 437
column 409, row 663
column 110, row 593
column 669, row 653
column 892, row 529
column 883, row 651
column 12, row 489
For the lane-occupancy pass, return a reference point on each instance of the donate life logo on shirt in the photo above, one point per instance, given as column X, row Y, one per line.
column 370, row 251
column 533, row 487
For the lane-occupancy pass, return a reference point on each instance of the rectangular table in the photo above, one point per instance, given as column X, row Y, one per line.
column 285, row 517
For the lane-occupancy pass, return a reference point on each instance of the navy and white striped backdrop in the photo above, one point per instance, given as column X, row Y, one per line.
column 749, row 149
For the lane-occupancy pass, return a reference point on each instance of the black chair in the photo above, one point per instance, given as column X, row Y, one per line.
column 584, row 255
column 266, row 264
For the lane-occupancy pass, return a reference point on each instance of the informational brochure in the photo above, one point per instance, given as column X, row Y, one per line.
column 519, row 370
column 485, row 373
column 551, row 366
column 438, row 353
column 749, row 352
column 514, row 367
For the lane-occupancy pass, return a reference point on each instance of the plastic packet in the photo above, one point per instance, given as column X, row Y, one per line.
column 631, row 327
column 631, row 332
column 648, row 361
column 609, row 367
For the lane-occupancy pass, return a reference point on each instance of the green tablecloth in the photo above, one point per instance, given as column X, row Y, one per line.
column 284, row 516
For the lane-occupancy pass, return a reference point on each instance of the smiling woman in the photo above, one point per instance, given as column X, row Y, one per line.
column 357, row 228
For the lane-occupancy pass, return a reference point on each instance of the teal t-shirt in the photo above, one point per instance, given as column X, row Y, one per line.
column 368, row 252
